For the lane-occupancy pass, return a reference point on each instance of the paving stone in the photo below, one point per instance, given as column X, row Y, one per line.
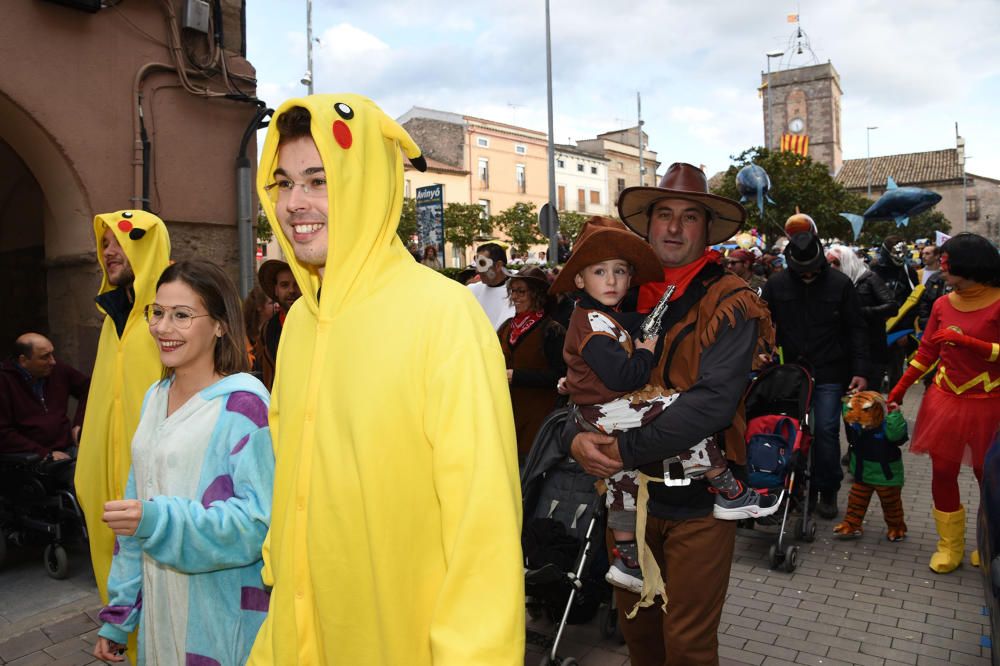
column 963, row 646
column 14, row 648
column 768, row 650
column 864, row 637
column 78, row 659
column 784, row 630
column 71, row 626
column 32, row 660
column 67, row 647
column 753, row 635
column 739, row 656
column 886, row 652
column 920, row 648
column 856, row 658
column 969, row 660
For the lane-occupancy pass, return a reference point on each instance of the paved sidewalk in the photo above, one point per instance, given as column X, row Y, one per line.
column 868, row 602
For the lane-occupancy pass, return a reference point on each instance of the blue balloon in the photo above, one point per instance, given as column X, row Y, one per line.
column 753, row 182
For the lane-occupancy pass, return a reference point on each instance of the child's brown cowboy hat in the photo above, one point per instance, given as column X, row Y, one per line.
column 601, row 239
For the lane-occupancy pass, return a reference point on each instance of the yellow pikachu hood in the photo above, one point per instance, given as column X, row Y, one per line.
column 125, row 367
column 395, row 527
column 360, row 148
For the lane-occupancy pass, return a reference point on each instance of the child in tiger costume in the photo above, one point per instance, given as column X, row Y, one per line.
column 875, row 435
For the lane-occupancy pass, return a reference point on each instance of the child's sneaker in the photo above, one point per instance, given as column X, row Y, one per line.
column 748, row 504
column 622, row 575
column 625, row 572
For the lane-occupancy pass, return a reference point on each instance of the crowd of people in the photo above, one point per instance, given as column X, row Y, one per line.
column 294, row 480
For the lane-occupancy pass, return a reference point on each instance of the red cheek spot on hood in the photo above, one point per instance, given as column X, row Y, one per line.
column 125, row 226
column 342, row 133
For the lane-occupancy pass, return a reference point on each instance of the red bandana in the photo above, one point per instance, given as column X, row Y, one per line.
column 680, row 276
column 522, row 323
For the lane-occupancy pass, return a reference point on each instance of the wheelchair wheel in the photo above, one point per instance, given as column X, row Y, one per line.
column 56, row 561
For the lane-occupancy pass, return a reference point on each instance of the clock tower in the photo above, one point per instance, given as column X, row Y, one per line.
column 805, row 101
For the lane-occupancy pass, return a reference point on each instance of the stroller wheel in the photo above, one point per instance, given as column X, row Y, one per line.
column 774, row 556
column 805, row 529
column 56, row 561
column 791, row 558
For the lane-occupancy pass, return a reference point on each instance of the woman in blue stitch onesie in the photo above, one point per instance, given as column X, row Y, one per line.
column 189, row 532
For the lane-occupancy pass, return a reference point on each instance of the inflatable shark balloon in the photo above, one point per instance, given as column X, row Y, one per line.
column 898, row 203
column 752, row 182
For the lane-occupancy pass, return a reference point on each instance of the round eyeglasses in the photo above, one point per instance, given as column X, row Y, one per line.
column 180, row 316
column 314, row 187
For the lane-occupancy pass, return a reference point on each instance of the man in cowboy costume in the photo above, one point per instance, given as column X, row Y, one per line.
column 713, row 332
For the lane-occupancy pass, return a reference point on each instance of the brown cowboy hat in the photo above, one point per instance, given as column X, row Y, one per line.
column 602, row 239
column 267, row 275
column 682, row 181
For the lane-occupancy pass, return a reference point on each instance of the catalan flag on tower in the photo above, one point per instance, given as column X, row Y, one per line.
column 795, row 143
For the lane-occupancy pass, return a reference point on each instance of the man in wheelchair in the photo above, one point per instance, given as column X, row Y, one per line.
column 34, row 399
column 38, row 448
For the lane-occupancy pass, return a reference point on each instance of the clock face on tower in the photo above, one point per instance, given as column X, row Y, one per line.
column 796, row 125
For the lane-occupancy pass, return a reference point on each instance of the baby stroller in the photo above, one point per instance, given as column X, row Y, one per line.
column 563, row 536
column 37, row 504
column 778, row 442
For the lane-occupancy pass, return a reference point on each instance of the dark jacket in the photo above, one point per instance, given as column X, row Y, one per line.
column 877, row 306
column 32, row 425
column 934, row 289
column 901, row 281
column 819, row 324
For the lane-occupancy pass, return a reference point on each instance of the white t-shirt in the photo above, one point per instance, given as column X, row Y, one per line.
column 494, row 301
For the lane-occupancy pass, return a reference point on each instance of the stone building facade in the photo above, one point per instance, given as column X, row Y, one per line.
column 581, row 181
column 621, row 149
column 73, row 118
column 975, row 208
column 805, row 101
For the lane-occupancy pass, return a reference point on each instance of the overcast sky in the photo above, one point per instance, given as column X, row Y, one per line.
column 913, row 68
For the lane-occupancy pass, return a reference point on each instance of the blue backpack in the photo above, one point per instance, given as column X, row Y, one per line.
column 768, row 455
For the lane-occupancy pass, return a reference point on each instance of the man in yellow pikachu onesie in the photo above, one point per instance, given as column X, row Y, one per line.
column 395, row 530
column 133, row 248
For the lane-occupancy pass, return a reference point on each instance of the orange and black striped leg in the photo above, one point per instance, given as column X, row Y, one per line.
column 857, row 505
column 892, row 507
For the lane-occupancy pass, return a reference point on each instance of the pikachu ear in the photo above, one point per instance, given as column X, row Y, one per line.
column 393, row 130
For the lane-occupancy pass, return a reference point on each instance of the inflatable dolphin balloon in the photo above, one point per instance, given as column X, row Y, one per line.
column 753, row 182
column 898, row 203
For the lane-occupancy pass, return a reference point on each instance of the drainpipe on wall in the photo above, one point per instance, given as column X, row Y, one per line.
column 244, row 203
column 140, row 141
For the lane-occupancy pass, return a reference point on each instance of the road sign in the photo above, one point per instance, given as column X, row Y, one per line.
column 548, row 220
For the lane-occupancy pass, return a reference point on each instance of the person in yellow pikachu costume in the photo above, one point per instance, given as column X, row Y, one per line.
column 395, row 530
column 133, row 248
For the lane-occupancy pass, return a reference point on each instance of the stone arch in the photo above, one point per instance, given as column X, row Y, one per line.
column 45, row 266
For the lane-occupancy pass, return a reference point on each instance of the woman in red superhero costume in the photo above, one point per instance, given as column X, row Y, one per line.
column 960, row 412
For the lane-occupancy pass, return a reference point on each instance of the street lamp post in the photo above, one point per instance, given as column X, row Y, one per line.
column 308, row 78
column 769, row 135
column 868, row 160
column 554, row 238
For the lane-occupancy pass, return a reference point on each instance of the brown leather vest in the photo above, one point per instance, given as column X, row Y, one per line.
column 690, row 332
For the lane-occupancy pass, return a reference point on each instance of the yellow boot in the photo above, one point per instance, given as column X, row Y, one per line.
column 951, row 541
column 974, row 558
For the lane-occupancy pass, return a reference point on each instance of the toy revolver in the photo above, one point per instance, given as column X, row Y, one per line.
column 652, row 324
